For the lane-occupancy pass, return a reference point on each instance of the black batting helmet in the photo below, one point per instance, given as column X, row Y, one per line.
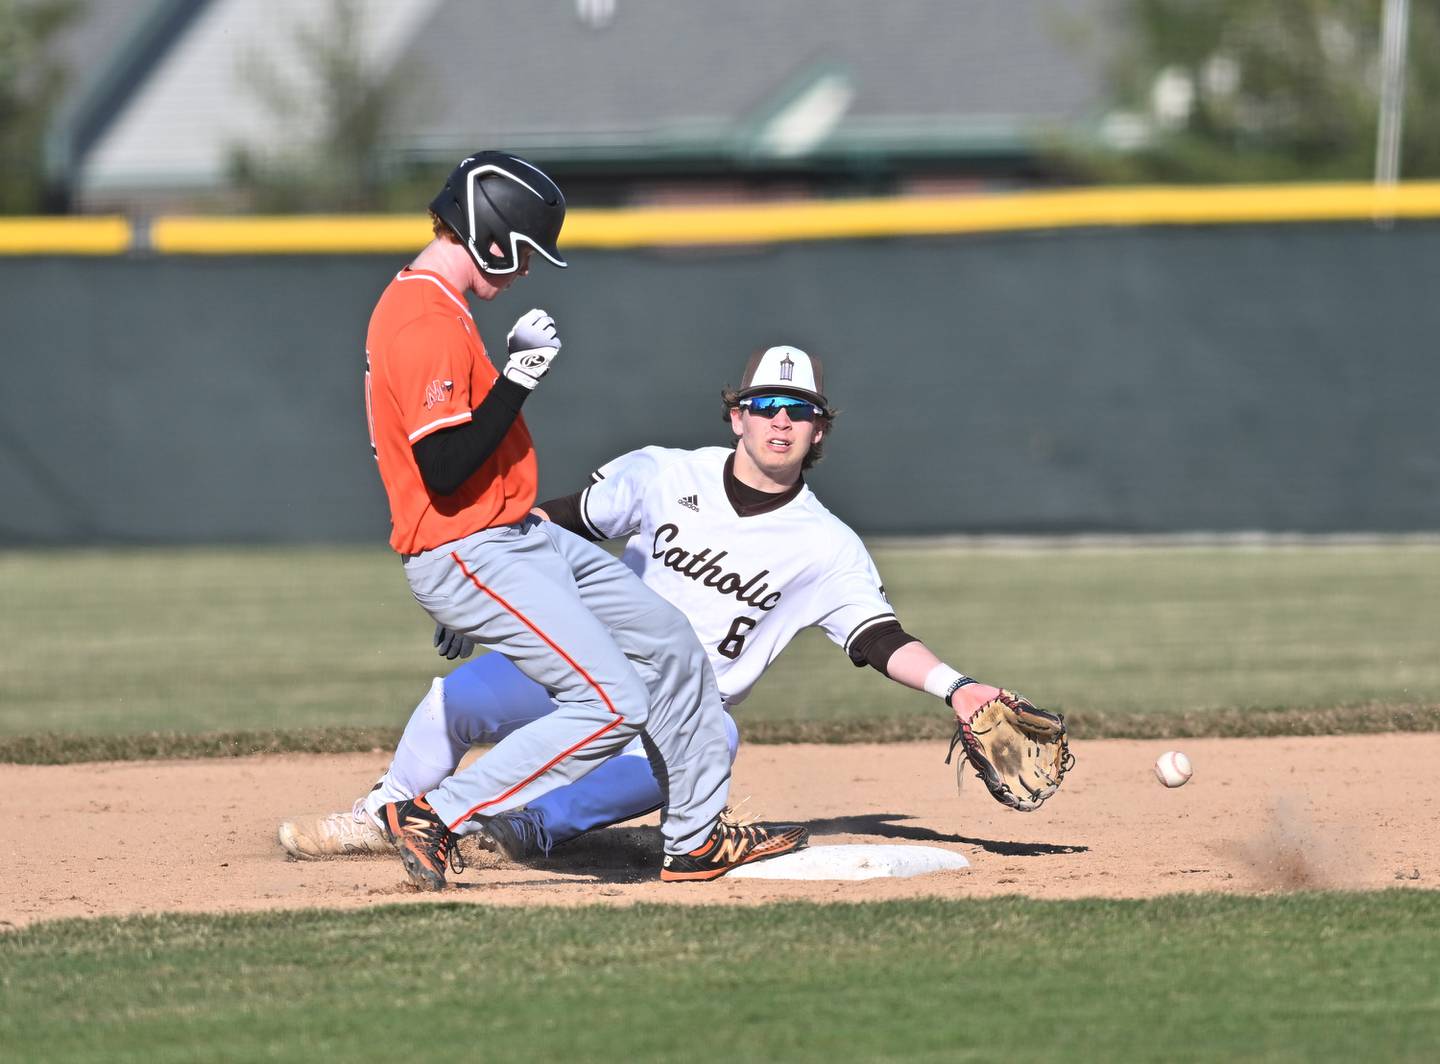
column 492, row 197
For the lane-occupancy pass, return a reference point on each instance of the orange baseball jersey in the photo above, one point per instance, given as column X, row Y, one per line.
column 425, row 370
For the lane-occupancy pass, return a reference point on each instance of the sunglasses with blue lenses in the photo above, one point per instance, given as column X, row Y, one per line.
column 767, row 406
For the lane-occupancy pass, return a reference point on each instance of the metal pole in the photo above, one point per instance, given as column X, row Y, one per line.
column 1395, row 33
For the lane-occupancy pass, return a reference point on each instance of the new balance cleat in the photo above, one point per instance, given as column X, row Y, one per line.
column 731, row 844
column 349, row 834
column 517, row 835
column 426, row 845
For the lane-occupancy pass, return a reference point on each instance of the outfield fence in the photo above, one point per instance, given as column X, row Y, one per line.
column 1135, row 361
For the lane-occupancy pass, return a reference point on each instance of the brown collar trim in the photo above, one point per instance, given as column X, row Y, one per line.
column 751, row 502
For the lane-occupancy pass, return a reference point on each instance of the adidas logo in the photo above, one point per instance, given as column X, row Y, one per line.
column 690, row 502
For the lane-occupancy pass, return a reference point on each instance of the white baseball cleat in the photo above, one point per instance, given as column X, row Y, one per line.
column 335, row 835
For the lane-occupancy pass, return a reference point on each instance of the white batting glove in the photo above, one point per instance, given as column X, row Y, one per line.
column 533, row 345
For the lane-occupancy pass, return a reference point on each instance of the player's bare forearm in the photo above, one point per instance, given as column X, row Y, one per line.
column 912, row 666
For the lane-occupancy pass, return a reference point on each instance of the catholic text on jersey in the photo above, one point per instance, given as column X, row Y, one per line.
column 707, row 570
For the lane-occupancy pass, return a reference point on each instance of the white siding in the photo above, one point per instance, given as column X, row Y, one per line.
column 197, row 103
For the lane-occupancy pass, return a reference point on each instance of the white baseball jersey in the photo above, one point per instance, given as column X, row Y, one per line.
column 747, row 584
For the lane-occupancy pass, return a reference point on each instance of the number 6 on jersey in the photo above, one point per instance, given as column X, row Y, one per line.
column 734, row 641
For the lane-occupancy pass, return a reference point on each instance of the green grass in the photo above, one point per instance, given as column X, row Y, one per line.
column 213, row 643
column 1295, row 978
column 1151, row 630
column 196, row 640
column 213, row 652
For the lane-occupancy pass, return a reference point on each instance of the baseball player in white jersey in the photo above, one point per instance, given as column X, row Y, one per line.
column 750, row 556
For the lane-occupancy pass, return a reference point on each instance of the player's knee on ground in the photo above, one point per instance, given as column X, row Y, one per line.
column 732, row 736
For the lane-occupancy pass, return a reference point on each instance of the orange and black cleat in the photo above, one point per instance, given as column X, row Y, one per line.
column 426, row 845
column 731, row 844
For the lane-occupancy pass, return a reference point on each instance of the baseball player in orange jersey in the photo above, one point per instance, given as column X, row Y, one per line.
column 734, row 538
column 458, row 467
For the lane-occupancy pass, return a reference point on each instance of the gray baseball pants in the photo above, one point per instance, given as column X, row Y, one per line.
column 617, row 659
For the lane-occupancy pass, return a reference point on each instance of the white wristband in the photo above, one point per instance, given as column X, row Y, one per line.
column 942, row 679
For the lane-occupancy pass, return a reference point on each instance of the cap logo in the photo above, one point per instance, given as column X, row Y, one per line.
column 787, row 368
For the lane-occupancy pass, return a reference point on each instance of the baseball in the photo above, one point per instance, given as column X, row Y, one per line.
column 1172, row 768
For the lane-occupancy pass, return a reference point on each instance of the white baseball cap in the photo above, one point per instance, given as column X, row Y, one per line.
column 784, row 371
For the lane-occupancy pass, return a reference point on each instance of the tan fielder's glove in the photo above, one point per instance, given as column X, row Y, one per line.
column 1019, row 752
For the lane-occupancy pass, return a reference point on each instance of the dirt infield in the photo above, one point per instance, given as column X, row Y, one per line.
column 1260, row 816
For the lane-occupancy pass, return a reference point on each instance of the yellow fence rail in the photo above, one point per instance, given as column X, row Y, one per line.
column 91, row 235
column 765, row 223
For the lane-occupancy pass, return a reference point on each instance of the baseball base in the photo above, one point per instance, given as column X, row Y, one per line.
column 854, row 862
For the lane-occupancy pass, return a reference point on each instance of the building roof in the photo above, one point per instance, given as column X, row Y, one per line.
column 739, row 81
column 664, row 73
column 199, row 100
